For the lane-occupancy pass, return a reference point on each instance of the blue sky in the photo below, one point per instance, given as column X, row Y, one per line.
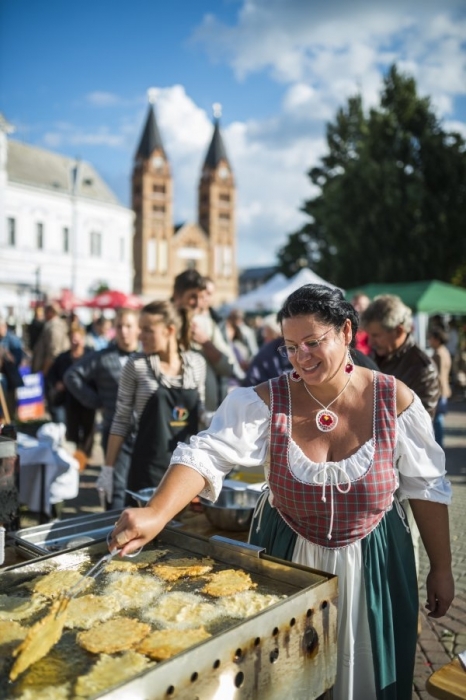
column 74, row 78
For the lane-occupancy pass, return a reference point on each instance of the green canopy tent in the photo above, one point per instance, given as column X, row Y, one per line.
column 431, row 297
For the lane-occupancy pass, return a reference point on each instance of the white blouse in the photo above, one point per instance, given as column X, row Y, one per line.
column 239, row 436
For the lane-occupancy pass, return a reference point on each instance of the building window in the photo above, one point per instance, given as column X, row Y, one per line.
column 96, row 244
column 163, row 257
column 224, row 216
column 122, row 249
column 224, row 197
column 158, row 209
column 151, row 255
column 40, row 236
column 66, row 239
column 158, row 188
column 11, row 231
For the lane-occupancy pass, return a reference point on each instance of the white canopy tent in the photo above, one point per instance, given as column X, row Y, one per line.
column 271, row 295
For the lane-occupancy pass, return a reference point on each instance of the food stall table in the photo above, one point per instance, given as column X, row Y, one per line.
column 48, row 475
column 449, row 682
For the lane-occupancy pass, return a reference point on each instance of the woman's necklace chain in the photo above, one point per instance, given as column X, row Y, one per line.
column 326, row 420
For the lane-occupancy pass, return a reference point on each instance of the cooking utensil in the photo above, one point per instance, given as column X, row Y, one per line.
column 96, row 570
column 233, row 509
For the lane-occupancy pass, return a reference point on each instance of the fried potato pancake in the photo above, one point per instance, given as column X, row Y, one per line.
column 109, row 671
column 86, row 610
column 119, row 634
column 11, row 632
column 142, row 561
column 164, row 644
column 246, row 603
column 15, row 607
column 54, row 584
column 183, row 610
column 40, row 638
column 133, row 590
column 183, row 568
column 228, row 582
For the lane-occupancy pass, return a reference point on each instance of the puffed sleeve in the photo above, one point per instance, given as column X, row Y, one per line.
column 237, row 435
column 419, row 460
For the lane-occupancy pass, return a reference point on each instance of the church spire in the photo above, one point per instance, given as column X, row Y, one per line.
column 150, row 139
column 217, row 151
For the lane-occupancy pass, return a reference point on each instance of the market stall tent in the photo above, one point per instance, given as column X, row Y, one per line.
column 429, row 297
column 271, row 295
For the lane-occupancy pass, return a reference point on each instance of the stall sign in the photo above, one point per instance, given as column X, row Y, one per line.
column 30, row 397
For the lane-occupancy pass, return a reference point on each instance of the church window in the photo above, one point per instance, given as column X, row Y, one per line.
column 224, row 197
column 224, row 216
column 40, row 236
column 96, row 244
column 158, row 188
column 11, row 231
column 163, row 256
column 151, row 255
column 66, row 239
column 158, row 209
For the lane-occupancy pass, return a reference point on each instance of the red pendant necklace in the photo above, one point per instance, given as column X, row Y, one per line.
column 327, row 420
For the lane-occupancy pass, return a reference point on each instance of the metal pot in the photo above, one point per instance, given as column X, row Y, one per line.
column 233, row 509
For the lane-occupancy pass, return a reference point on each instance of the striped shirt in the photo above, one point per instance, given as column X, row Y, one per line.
column 141, row 377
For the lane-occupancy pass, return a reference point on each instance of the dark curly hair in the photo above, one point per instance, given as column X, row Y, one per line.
column 326, row 303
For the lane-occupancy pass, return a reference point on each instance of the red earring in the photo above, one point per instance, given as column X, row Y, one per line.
column 294, row 376
column 349, row 367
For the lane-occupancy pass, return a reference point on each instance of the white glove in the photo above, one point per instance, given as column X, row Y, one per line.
column 104, row 482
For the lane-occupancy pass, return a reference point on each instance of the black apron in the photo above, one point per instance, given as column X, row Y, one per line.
column 170, row 416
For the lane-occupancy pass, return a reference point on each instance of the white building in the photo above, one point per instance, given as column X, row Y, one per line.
column 61, row 227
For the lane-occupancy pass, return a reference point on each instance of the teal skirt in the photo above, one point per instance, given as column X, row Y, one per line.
column 391, row 594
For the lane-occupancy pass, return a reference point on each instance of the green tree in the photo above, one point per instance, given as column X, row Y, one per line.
column 391, row 202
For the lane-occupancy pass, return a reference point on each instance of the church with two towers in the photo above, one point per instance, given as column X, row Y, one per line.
column 162, row 250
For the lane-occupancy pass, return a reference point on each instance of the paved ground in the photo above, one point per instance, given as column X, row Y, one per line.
column 439, row 640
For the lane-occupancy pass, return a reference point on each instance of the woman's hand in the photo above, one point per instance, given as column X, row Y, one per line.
column 440, row 592
column 134, row 528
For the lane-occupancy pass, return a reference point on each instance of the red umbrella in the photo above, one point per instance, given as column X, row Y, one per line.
column 69, row 301
column 113, row 299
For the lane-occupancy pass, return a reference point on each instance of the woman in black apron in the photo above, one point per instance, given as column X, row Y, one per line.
column 162, row 388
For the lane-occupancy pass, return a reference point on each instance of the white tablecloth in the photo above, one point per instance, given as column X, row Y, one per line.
column 61, row 473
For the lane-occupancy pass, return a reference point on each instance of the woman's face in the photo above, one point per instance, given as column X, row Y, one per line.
column 315, row 362
column 154, row 334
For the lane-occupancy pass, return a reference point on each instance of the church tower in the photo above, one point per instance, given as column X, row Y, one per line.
column 216, row 207
column 152, row 202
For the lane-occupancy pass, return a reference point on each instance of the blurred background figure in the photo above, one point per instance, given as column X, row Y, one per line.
column 79, row 419
column 162, row 387
column 438, row 338
column 360, row 302
column 192, row 294
column 52, row 341
column 389, row 325
column 267, row 363
column 99, row 334
column 94, row 382
column 34, row 328
column 240, row 337
column 11, row 356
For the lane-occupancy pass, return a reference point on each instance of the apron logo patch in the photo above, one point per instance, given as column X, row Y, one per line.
column 180, row 415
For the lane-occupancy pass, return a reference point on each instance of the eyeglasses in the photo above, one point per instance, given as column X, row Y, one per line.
column 306, row 346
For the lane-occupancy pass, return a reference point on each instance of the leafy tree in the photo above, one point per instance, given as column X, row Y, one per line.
column 391, row 202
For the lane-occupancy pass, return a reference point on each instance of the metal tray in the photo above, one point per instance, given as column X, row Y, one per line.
column 64, row 534
column 287, row 650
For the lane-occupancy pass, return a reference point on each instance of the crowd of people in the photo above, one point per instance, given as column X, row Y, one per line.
column 334, row 399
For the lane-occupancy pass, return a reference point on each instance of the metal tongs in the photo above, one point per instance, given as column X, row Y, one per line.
column 93, row 572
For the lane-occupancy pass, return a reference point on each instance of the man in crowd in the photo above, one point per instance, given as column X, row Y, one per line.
column 188, row 295
column 389, row 324
column 94, row 382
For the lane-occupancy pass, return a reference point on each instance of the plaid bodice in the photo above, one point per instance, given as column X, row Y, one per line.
column 333, row 511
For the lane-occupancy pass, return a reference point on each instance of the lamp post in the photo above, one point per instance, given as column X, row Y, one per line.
column 74, row 224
